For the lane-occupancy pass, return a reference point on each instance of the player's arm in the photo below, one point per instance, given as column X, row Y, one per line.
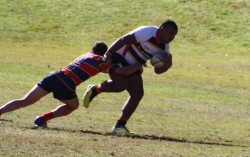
column 119, row 43
column 167, row 64
column 137, row 35
column 126, row 70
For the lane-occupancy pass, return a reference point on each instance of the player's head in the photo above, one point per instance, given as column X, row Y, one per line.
column 99, row 48
column 167, row 31
column 169, row 23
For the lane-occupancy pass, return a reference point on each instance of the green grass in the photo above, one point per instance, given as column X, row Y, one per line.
column 200, row 107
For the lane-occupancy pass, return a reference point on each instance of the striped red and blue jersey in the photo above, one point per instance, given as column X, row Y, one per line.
column 81, row 69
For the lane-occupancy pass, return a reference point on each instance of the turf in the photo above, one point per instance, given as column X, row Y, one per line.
column 200, row 107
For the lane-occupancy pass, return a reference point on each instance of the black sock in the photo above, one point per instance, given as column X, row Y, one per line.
column 120, row 123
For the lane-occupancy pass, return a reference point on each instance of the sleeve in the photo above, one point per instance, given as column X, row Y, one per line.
column 144, row 33
column 103, row 67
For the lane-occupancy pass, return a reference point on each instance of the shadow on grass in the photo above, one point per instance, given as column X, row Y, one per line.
column 135, row 136
column 161, row 138
column 5, row 120
column 145, row 137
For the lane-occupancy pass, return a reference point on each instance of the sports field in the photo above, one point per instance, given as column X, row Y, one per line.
column 200, row 107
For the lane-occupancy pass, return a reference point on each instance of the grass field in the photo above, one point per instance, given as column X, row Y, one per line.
column 200, row 107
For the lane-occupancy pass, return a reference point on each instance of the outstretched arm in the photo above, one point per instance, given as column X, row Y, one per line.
column 128, row 69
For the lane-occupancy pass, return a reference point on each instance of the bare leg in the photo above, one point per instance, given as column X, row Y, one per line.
column 134, row 86
column 65, row 109
column 114, row 85
column 136, row 92
column 35, row 94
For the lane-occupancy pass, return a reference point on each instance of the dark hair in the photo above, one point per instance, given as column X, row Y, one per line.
column 169, row 23
column 99, row 48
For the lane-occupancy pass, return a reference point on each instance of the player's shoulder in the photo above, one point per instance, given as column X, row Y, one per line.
column 146, row 28
column 145, row 32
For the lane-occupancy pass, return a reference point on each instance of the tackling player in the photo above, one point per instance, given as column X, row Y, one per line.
column 62, row 83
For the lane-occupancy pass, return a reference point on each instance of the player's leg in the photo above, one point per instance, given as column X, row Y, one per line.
column 135, row 89
column 65, row 109
column 117, row 83
column 35, row 94
column 136, row 93
column 66, row 96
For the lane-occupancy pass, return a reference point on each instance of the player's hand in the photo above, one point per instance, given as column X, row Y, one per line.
column 108, row 54
column 108, row 61
column 167, row 64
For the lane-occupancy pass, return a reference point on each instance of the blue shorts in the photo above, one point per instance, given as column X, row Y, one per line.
column 51, row 83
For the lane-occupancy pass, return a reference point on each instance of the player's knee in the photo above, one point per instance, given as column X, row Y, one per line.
column 119, row 88
column 73, row 107
column 137, row 96
column 140, row 95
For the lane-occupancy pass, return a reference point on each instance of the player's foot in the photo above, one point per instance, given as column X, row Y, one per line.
column 89, row 95
column 122, row 131
column 40, row 122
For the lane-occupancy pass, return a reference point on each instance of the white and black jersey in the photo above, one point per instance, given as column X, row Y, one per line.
column 147, row 45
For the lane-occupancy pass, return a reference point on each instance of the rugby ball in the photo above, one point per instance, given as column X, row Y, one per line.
column 157, row 59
